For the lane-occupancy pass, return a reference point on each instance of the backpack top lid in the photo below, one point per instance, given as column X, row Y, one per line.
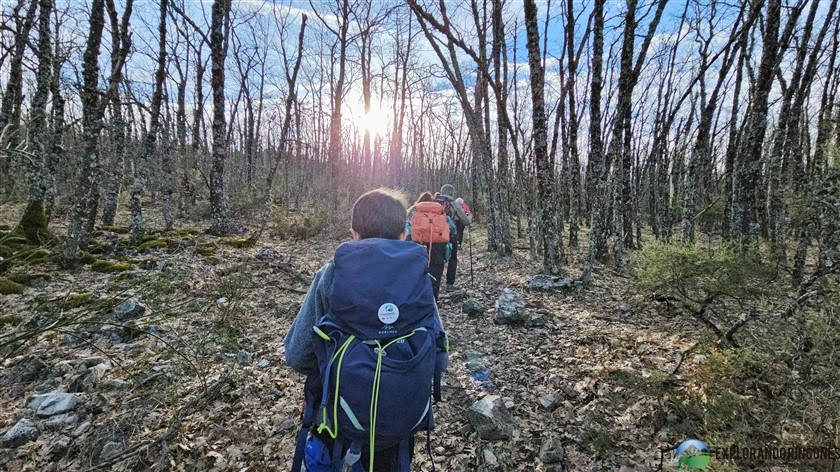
column 381, row 289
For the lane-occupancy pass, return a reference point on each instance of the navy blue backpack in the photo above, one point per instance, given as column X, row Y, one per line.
column 381, row 352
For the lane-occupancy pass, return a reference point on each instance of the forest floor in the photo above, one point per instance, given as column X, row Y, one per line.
column 197, row 381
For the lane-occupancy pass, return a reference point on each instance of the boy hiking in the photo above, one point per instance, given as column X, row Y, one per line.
column 369, row 337
column 462, row 218
column 431, row 228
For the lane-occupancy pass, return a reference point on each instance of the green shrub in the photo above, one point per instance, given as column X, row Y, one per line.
column 691, row 270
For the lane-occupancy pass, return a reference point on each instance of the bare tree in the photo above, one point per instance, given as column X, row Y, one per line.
column 35, row 221
column 219, row 33
column 150, row 141
column 552, row 241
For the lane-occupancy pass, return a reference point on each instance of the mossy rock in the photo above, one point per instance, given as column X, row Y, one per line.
column 237, row 242
column 10, row 320
column 154, row 243
column 109, row 266
column 88, row 258
column 185, row 232
column 9, row 287
column 26, row 278
column 115, row 229
column 34, row 225
column 75, row 300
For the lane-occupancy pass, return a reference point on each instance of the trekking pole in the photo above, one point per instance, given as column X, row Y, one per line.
column 472, row 278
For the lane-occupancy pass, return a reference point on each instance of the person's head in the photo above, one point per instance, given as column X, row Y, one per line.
column 459, row 200
column 448, row 190
column 424, row 197
column 379, row 213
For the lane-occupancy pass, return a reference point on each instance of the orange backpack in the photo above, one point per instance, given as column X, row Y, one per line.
column 428, row 223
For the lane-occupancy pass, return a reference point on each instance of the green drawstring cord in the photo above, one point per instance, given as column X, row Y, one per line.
column 323, row 426
column 374, row 399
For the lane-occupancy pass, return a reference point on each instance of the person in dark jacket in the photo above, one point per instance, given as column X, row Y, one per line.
column 376, row 214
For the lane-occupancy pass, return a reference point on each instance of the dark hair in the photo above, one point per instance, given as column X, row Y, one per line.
column 379, row 213
column 424, row 197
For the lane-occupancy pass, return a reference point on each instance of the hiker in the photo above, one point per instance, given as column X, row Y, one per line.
column 371, row 342
column 462, row 219
column 438, row 248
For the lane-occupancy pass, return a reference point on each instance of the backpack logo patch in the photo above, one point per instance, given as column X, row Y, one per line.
column 388, row 313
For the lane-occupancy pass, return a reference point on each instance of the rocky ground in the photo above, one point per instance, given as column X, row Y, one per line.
column 169, row 355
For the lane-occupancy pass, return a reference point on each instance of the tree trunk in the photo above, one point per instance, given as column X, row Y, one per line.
column 219, row 207
column 35, row 222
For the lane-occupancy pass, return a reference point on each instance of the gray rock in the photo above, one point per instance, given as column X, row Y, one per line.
column 510, row 308
column 87, row 379
column 700, row 359
column 61, row 443
column 549, row 402
column 21, row 433
column 551, row 282
column 81, row 429
column 287, row 425
column 89, row 361
column 490, row 458
column 538, row 320
column 551, row 451
column 58, row 422
column 491, row 419
column 110, row 450
column 268, row 254
column 472, row 307
column 116, row 384
column 625, row 309
column 475, row 365
column 46, row 386
column 27, row 370
column 129, row 308
column 39, row 282
column 48, row 404
column 243, row 357
column 263, row 364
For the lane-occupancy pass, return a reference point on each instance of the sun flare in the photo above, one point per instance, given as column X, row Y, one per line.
column 374, row 122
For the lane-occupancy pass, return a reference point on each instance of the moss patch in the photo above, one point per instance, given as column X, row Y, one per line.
column 154, row 243
column 75, row 300
column 34, row 224
column 207, row 250
column 27, row 278
column 9, row 287
column 237, row 242
column 88, row 258
column 108, row 266
column 34, row 255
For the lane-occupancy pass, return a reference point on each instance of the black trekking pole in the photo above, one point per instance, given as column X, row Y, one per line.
column 472, row 278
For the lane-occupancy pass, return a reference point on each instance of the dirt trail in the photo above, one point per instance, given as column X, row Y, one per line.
column 594, row 354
